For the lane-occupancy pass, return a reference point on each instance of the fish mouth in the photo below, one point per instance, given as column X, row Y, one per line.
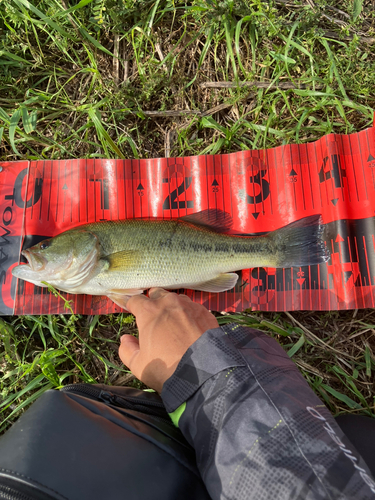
column 35, row 262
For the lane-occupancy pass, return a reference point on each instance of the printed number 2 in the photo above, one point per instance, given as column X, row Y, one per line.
column 171, row 202
column 264, row 188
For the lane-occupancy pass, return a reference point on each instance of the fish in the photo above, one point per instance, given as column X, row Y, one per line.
column 122, row 258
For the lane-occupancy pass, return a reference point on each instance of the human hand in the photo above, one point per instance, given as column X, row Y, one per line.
column 168, row 325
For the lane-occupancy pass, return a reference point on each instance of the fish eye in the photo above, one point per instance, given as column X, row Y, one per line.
column 44, row 245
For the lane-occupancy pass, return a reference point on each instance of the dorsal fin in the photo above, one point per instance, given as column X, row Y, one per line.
column 212, row 218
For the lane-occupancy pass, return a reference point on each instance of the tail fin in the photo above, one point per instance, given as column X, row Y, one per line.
column 300, row 243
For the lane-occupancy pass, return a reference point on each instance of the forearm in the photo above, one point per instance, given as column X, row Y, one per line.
column 259, row 431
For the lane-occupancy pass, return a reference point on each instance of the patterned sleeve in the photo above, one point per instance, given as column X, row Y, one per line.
column 258, row 430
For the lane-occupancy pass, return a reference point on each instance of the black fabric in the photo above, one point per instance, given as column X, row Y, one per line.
column 360, row 431
column 18, row 489
column 69, row 446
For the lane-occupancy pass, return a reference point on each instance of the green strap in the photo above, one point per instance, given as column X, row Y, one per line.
column 176, row 415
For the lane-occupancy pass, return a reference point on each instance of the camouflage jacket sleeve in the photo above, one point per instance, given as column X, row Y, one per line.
column 258, row 430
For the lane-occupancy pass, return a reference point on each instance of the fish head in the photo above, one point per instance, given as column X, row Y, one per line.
column 65, row 259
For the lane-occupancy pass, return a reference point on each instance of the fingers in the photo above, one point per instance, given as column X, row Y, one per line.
column 183, row 296
column 128, row 350
column 168, row 325
column 135, row 303
column 157, row 293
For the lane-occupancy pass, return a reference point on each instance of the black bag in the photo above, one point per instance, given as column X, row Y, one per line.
column 97, row 442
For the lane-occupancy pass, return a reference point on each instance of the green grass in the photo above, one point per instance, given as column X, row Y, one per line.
column 125, row 79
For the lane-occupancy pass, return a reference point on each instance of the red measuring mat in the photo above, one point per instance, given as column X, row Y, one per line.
column 262, row 190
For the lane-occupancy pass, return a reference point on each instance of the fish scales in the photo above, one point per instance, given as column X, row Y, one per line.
column 175, row 253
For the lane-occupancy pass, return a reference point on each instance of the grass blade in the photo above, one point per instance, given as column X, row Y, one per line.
column 204, row 52
column 29, row 6
column 275, row 328
column 79, row 5
column 297, row 346
column 28, row 120
column 368, row 361
column 15, row 118
column 151, row 18
column 92, row 40
column 357, row 9
column 26, row 403
column 237, row 36
column 14, row 57
column 342, row 397
column 229, row 41
column 324, row 42
column 102, row 133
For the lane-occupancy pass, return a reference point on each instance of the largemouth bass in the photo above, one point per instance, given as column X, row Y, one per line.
column 122, row 258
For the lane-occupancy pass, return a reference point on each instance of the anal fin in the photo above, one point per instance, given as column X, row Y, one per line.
column 221, row 283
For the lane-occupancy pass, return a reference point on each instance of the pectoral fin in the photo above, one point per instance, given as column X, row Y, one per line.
column 122, row 261
column 120, row 297
column 221, row 283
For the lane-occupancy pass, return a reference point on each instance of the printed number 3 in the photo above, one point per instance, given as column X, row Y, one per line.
column 264, row 188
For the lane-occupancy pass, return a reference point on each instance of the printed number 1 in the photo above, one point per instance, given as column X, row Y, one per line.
column 104, row 194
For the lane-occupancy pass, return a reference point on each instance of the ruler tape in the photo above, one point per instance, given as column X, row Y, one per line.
column 262, row 190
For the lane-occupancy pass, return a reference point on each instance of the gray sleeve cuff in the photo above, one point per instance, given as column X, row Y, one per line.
column 213, row 352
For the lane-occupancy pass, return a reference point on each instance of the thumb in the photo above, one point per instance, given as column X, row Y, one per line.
column 128, row 350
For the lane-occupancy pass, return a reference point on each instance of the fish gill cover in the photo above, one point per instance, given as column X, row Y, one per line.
column 262, row 190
